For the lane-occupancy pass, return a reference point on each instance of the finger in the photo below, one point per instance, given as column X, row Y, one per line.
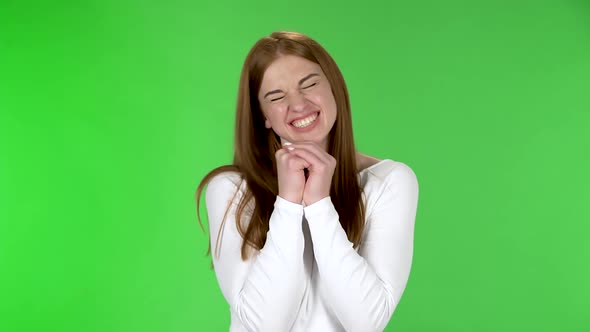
column 314, row 149
column 297, row 162
column 280, row 153
column 315, row 162
column 283, row 156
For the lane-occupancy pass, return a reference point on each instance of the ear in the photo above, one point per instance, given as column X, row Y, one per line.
column 267, row 124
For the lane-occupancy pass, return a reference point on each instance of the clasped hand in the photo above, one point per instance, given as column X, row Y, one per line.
column 292, row 161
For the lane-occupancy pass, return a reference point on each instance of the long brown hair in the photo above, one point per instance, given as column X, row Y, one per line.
column 255, row 145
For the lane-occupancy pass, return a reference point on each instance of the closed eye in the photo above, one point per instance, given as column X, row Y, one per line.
column 278, row 98
column 309, row 86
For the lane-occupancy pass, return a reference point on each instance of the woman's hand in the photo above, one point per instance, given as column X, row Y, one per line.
column 291, row 175
column 320, row 166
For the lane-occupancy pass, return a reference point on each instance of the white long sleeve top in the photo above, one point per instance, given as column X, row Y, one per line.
column 308, row 276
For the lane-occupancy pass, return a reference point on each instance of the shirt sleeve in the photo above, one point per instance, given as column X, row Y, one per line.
column 265, row 291
column 364, row 288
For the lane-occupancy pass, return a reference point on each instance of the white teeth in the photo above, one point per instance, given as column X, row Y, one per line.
column 305, row 122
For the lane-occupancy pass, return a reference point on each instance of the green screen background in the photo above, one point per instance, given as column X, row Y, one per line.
column 112, row 111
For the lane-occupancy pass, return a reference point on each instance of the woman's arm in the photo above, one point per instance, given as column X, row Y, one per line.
column 265, row 291
column 363, row 289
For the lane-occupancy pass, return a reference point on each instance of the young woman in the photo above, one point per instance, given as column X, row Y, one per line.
column 308, row 233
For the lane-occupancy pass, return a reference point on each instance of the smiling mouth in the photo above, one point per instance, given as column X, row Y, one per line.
column 305, row 122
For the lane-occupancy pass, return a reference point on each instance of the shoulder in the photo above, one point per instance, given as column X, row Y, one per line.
column 225, row 179
column 224, row 186
column 386, row 172
column 388, row 179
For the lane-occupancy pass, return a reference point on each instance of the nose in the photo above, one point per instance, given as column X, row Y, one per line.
column 297, row 102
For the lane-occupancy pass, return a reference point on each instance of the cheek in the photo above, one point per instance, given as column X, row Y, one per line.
column 326, row 96
column 275, row 114
column 327, row 102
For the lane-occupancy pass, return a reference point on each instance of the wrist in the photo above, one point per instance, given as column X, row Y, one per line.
column 291, row 198
column 310, row 200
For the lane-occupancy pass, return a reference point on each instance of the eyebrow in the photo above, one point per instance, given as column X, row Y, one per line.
column 301, row 81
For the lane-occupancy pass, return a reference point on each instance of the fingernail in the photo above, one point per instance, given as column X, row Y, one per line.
column 290, row 148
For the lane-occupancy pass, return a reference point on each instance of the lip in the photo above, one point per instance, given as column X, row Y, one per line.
column 308, row 128
column 303, row 117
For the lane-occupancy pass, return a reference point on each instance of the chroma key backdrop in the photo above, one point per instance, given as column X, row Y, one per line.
column 111, row 112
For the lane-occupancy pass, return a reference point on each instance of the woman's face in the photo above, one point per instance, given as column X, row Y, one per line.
column 297, row 100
